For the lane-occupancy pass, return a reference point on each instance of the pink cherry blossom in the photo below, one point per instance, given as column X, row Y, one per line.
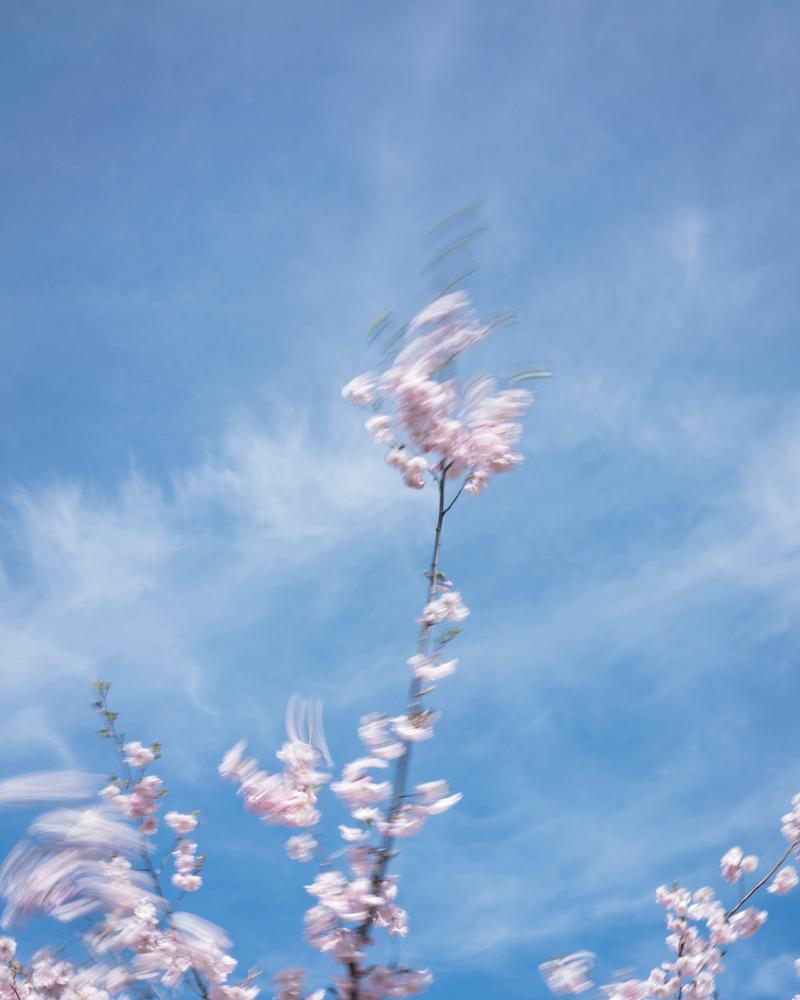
column 435, row 797
column 234, row 766
column 631, row 989
column 448, row 607
column 427, row 668
column 784, row 881
column 568, row 974
column 352, row 834
column 301, row 847
column 357, row 787
column 288, row 798
column 181, row 822
column 748, row 921
column 378, row 737
column 186, row 882
column 734, row 864
column 418, row 726
column 380, row 427
column 791, row 823
column 465, row 431
column 137, row 755
column 405, row 821
column 414, row 472
column 360, row 390
column 228, row 992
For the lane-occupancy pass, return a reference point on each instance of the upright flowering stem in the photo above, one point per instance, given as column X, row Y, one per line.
column 415, row 687
column 119, row 744
column 113, row 733
column 415, row 694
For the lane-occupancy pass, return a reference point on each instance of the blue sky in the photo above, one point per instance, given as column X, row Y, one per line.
column 204, row 207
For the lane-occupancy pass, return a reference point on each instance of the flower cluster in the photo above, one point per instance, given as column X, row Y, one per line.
column 447, row 608
column 287, row 798
column 734, row 864
column 434, row 424
column 700, row 932
column 142, row 802
column 289, row 985
column 49, row 977
column 187, row 862
column 347, row 903
column 92, row 864
column 79, row 862
column 790, row 823
column 568, row 974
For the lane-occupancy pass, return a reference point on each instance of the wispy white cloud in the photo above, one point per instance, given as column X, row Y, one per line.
column 139, row 577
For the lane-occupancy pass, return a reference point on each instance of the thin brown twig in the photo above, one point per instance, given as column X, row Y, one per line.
column 386, row 850
column 764, row 880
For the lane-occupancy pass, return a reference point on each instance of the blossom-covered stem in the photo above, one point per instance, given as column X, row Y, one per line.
column 414, row 696
column 401, row 772
column 202, row 986
column 119, row 741
column 425, row 631
column 152, row 872
column 792, row 847
column 113, row 732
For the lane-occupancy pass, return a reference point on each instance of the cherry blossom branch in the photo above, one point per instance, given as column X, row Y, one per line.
column 460, row 491
column 386, row 850
column 778, row 864
column 433, row 426
column 110, row 731
column 119, row 740
column 699, row 956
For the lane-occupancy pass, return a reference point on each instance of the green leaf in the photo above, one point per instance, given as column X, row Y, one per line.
column 378, row 325
column 528, row 374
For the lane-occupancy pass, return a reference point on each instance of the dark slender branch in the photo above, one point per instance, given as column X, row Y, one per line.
column 202, row 989
column 460, row 491
column 386, row 850
column 763, row 881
